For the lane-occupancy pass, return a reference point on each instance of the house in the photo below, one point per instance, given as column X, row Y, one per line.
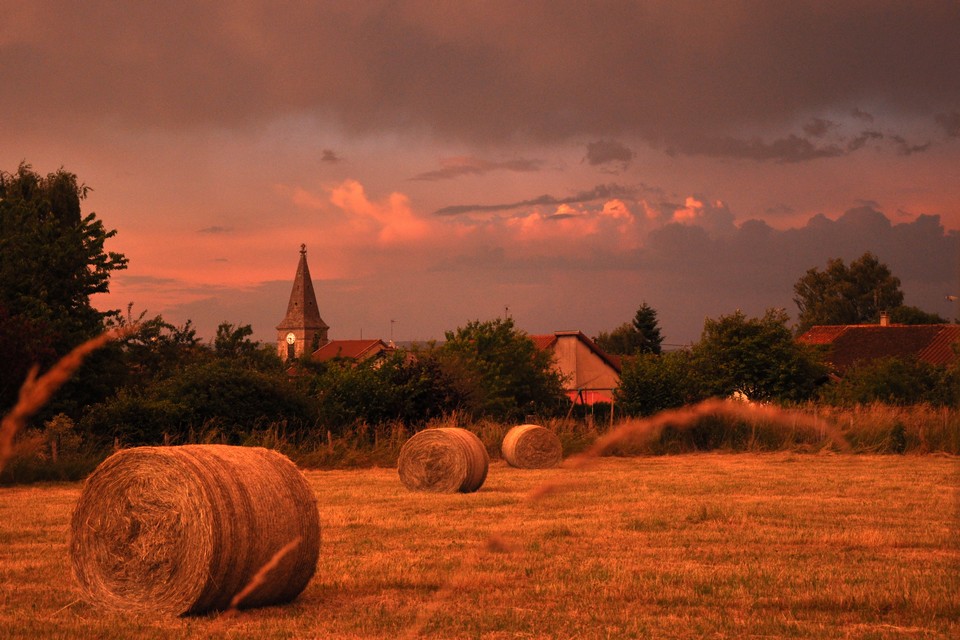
column 590, row 374
column 847, row 345
column 355, row 350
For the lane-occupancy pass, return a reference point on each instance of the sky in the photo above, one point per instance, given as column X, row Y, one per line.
column 558, row 162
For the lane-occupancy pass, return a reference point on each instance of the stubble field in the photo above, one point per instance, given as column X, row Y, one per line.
column 690, row 546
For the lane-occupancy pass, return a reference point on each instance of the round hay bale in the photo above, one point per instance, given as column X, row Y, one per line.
column 182, row 530
column 444, row 460
column 530, row 446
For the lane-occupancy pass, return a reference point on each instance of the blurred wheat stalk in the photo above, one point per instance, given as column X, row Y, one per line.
column 37, row 390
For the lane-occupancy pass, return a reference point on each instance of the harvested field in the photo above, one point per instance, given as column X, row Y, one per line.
column 709, row 545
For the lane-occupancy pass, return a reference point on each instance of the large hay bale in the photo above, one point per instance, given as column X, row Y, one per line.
column 183, row 530
column 444, row 460
column 530, row 446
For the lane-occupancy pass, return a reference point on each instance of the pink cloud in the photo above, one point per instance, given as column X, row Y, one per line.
column 392, row 220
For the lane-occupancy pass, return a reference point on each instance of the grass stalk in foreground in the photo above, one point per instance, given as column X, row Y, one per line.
column 37, row 390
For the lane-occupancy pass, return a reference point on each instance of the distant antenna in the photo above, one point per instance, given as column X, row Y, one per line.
column 391, row 329
column 506, row 312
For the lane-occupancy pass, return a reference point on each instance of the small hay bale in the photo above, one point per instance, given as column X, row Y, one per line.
column 444, row 460
column 530, row 446
column 181, row 530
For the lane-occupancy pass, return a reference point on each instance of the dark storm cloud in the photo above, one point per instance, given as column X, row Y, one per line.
column 455, row 168
column 950, row 122
column 858, row 141
column 862, row 115
column 600, row 192
column 330, row 156
column 483, row 72
column 789, row 149
column 818, row 127
column 605, row 151
column 905, row 148
column 756, row 267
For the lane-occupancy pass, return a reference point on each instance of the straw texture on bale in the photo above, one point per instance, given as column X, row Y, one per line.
column 182, row 530
column 530, row 446
column 444, row 460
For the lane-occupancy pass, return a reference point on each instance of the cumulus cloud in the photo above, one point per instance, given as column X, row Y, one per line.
column 470, row 166
column 392, row 219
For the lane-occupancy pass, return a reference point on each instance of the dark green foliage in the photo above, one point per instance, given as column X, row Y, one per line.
column 134, row 418
column 52, row 259
column 895, row 381
column 648, row 328
column 23, row 342
column 158, row 350
column 233, row 342
column 757, row 357
column 846, row 295
column 504, row 375
column 652, row 383
column 410, row 388
column 220, row 395
column 912, row 315
column 622, row 341
column 642, row 335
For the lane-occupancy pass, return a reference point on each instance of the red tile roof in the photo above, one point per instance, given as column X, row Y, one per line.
column 848, row 344
column 353, row 349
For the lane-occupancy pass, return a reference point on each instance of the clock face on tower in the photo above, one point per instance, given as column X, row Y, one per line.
column 291, row 338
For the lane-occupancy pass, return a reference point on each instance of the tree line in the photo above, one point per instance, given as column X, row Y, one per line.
column 164, row 384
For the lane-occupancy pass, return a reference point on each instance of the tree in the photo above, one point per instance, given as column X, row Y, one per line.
column 210, row 398
column 846, row 295
column 646, row 324
column 899, row 381
column 504, row 374
column 411, row 388
column 642, row 335
column 652, row 383
column 233, row 342
column 912, row 315
column 158, row 349
column 757, row 357
column 52, row 259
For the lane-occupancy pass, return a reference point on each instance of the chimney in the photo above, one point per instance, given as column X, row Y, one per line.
column 884, row 319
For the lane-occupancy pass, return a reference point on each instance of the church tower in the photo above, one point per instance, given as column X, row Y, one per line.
column 302, row 330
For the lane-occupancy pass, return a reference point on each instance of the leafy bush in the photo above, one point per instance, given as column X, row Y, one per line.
column 218, row 395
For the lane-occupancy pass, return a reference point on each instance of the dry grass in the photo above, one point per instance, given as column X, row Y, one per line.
column 708, row 545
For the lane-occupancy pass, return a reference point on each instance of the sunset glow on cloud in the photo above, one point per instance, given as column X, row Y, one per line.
column 443, row 162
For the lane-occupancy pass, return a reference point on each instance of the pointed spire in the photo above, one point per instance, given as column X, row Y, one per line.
column 302, row 310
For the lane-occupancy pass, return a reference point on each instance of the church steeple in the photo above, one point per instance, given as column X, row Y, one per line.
column 302, row 330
